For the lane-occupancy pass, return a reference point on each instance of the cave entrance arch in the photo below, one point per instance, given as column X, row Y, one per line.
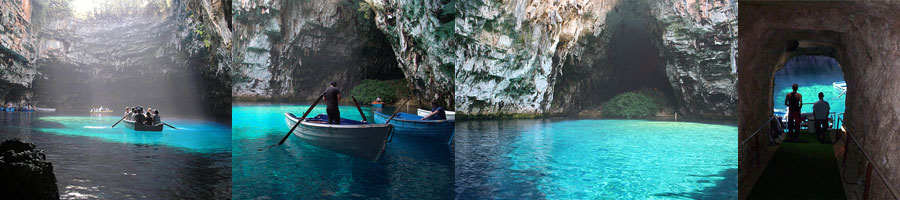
column 813, row 74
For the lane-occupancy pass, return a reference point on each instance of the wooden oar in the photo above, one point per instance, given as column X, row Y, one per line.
column 358, row 108
column 298, row 122
column 120, row 120
column 395, row 112
column 169, row 126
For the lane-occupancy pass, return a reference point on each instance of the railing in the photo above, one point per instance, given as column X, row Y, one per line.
column 869, row 166
column 755, row 142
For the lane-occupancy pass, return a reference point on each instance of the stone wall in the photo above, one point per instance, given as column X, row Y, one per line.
column 16, row 51
column 865, row 37
column 554, row 58
column 293, row 49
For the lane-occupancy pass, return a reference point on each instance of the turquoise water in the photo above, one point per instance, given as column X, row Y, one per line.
column 813, row 74
column 192, row 135
column 595, row 159
column 409, row 169
column 92, row 161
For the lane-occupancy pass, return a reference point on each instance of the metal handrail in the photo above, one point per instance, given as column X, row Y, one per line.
column 877, row 171
column 757, row 131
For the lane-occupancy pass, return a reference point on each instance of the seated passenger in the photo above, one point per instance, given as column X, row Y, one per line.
column 437, row 112
column 156, row 119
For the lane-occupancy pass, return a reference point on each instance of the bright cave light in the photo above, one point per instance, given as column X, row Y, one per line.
column 82, row 7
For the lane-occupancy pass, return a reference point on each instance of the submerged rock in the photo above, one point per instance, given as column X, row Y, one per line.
column 25, row 172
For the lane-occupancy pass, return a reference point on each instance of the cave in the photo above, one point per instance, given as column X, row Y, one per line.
column 158, row 54
column 627, row 57
column 862, row 37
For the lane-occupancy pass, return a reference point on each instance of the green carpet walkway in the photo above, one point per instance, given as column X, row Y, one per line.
column 800, row 170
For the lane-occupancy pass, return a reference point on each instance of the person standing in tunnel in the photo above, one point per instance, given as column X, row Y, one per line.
column 794, row 101
column 820, row 110
column 332, row 96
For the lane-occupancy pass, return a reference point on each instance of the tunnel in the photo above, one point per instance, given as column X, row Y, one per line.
column 854, row 34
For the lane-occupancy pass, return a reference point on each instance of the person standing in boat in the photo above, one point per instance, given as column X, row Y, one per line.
column 332, row 96
column 794, row 101
column 437, row 112
column 820, row 110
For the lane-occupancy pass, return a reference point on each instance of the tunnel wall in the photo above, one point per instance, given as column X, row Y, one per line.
column 866, row 39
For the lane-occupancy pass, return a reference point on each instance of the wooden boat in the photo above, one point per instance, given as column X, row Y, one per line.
column 9, row 109
column 450, row 114
column 129, row 124
column 377, row 104
column 410, row 124
column 102, row 111
column 353, row 138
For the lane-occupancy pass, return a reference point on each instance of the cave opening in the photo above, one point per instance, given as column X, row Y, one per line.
column 635, row 60
column 813, row 74
column 116, row 54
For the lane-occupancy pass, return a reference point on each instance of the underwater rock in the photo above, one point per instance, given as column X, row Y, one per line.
column 26, row 172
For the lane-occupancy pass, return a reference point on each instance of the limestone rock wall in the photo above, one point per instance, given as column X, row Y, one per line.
column 293, row 49
column 519, row 57
column 17, row 51
column 865, row 37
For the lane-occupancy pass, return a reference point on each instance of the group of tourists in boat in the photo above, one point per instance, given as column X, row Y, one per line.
column 819, row 118
column 138, row 115
column 10, row 107
column 363, row 139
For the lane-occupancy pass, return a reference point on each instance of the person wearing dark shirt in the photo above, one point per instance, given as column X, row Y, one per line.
column 794, row 101
column 139, row 117
column 437, row 112
column 332, row 96
column 156, row 119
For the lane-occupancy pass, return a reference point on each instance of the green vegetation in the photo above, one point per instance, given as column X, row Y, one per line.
column 640, row 103
column 389, row 90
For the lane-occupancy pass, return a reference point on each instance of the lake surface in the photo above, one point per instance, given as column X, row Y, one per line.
column 812, row 74
column 562, row 158
column 92, row 160
column 410, row 168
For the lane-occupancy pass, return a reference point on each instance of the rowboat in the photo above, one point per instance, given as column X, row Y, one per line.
column 410, row 124
column 9, row 109
column 451, row 115
column 129, row 124
column 45, row 109
column 377, row 104
column 353, row 138
column 102, row 111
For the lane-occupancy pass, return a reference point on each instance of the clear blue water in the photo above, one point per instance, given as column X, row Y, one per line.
column 91, row 160
column 410, row 168
column 813, row 74
column 595, row 159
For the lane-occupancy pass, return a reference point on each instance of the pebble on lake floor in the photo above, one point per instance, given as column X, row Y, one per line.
column 26, row 171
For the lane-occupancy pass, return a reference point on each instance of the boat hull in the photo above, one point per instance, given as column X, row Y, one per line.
column 409, row 124
column 141, row 127
column 352, row 138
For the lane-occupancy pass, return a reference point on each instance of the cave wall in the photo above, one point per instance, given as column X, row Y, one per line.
column 540, row 58
column 293, row 49
column 17, row 51
column 865, row 38
column 161, row 57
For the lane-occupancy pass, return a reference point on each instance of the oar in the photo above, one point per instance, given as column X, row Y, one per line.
column 358, row 108
column 169, row 126
column 120, row 120
column 395, row 112
column 298, row 122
